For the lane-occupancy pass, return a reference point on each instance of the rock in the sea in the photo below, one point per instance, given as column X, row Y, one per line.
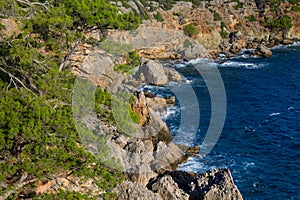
column 133, row 191
column 152, row 72
column 217, row 184
column 168, row 189
column 263, row 51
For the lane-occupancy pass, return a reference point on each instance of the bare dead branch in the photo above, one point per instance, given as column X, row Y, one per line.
column 33, row 3
column 18, row 80
column 18, row 186
column 41, row 64
column 67, row 57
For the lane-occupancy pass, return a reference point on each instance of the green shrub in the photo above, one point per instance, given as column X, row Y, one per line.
column 158, row 17
column 217, row 16
column 296, row 8
column 251, row 18
column 223, row 25
column 187, row 43
column 239, row 5
column 281, row 23
column 132, row 61
column 191, row 30
column 294, row 1
column 224, row 34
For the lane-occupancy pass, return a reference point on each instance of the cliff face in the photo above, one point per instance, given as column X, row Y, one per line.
column 216, row 21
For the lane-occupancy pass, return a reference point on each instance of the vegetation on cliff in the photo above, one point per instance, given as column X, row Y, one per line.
column 38, row 139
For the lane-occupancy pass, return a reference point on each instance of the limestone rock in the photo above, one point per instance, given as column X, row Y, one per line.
column 217, row 184
column 153, row 73
column 98, row 67
column 195, row 50
column 167, row 157
column 172, row 74
column 156, row 129
column 140, row 174
column 168, row 189
column 263, row 51
column 133, row 191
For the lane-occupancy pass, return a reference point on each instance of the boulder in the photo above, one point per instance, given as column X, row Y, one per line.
column 152, row 72
column 129, row 190
column 98, row 67
column 172, row 74
column 195, row 50
column 168, row 189
column 263, row 51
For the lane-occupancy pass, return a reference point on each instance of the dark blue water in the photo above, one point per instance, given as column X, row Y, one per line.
column 260, row 141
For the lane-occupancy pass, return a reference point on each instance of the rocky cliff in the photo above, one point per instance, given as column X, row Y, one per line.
column 227, row 26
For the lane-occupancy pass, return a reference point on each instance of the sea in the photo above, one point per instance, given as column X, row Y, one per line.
column 260, row 137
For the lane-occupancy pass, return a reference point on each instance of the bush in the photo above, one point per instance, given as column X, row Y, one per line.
column 296, row 8
column 224, row 34
column 217, row 16
column 191, row 30
column 239, row 5
column 132, row 61
column 158, row 17
column 281, row 23
column 187, row 43
column 251, row 18
column 294, row 1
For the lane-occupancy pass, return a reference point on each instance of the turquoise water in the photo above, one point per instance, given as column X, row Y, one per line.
column 260, row 141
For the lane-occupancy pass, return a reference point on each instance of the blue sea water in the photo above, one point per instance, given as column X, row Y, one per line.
column 260, row 141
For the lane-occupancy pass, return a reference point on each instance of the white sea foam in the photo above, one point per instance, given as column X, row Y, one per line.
column 236, row 64
column 274, row 114
column 296, row 44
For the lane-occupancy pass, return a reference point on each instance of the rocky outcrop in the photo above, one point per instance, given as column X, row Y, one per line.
column 216, row 184
column 168, row 189
column 195, row 50
column 263, row 51
column 129, row 190
column 152, row 72
column 97, row 66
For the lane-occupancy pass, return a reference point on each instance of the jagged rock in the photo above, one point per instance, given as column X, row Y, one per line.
column 235, row 48
column 167, row 157
column 133, row 191
column 225, row 45
column 156, row 129
column 140, row 174
column 217, row 184
column 153, row 72
column 172, row 74
column 195, row 50
column 263, row 51
column 98, row 67
column 160, row 104
column 141, row 108
column 168, row 189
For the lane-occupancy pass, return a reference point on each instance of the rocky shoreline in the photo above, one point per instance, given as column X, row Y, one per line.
column 148, row 157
